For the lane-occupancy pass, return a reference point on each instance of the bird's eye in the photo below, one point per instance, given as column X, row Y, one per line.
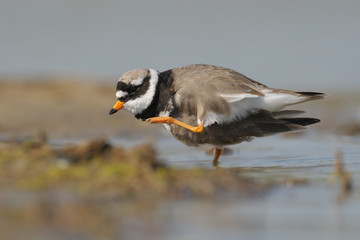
column 132, row 88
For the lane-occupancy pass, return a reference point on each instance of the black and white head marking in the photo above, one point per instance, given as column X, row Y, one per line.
column 137, row 89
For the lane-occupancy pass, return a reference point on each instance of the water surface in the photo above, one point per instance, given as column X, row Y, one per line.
column 307, row 202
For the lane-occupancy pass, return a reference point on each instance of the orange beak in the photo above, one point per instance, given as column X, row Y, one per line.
column 118, row 105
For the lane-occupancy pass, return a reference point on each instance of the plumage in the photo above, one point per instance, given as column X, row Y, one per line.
column 205, row 104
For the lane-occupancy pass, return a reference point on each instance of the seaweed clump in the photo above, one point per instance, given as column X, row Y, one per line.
column 98, row 168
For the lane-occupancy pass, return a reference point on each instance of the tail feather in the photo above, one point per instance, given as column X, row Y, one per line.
column 312, row 95
column 301, row 121
column 265, row 123
column 277, row 99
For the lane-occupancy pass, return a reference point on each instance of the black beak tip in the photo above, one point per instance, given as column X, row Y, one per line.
column 112, row 111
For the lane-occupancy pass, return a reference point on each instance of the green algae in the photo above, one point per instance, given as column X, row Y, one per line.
column 96, row 166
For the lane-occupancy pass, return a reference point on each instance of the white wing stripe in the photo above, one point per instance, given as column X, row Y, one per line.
column 230, row 98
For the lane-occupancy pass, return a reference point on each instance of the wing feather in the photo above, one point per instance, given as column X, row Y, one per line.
column 214, row 94
column 193, row 101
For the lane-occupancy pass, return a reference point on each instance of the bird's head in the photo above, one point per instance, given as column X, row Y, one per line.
column 135, row 90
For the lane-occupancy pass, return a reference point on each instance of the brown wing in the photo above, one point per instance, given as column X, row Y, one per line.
column 198, row 88
column 217, row 79
column 193, row 100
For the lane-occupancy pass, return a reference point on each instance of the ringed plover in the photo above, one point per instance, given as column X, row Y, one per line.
column 205, row 104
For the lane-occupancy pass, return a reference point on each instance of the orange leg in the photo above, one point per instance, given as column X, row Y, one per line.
column 218, row 152
column 170, row 120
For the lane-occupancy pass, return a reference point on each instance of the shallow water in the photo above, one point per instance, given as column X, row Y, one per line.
column 314, row 154
column 310, row 212
column 307, row 203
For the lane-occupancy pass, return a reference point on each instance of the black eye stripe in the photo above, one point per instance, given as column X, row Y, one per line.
column 128, row 87
column 121, row 86
column 132, row 90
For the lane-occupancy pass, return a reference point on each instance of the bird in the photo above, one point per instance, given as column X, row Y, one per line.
column 207, row 104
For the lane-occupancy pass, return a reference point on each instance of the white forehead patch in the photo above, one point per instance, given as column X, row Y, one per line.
column 137, row 82
column 120, row 94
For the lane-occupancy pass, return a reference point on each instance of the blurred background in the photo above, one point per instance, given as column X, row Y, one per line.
column 59, row 63
column 289, row 44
